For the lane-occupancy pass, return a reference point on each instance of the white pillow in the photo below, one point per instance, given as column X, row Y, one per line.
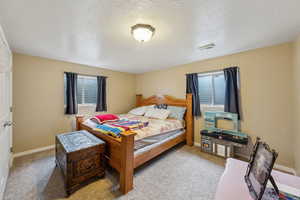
column 138, row 111
column 157, row 113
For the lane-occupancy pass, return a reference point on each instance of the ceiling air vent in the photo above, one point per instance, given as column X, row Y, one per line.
column 207, row 46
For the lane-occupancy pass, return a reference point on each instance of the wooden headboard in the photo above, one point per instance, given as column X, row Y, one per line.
column 165, row 99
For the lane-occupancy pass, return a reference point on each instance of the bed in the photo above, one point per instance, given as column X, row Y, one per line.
column 126, row 153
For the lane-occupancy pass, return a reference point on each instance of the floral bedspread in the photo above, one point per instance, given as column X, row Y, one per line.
column 155, row 126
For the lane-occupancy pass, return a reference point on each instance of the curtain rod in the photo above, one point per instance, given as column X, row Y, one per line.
column 206, row 72
column 86, row 74
column 211, row 71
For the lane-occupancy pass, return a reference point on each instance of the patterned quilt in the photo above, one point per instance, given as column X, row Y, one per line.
column 117, row 127
column 148, row 126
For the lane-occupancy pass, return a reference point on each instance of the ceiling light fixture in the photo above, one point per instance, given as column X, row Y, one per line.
column 142, row 32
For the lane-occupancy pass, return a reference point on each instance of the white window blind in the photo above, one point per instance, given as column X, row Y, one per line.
column 212, row 88
column 86, row 89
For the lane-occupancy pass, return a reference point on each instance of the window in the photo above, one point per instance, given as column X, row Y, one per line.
column 212, row 88
column 86, row 90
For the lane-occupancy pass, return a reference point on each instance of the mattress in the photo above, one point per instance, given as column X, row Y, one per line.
column 148, row 143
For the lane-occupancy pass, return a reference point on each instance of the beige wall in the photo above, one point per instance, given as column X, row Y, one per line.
column 296, row 117
column 265, row 89
column 38, row 98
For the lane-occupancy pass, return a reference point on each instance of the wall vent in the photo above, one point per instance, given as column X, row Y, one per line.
column 207, row 46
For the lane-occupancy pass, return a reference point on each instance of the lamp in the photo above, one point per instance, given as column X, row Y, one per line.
column 142, row 32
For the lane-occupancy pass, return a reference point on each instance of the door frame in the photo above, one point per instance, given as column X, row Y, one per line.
column 2, row 37
column 7, row 71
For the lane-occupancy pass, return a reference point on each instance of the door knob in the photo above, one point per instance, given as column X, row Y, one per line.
column 8, row 123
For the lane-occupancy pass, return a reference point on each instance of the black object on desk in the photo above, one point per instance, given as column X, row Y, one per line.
column 225, row 136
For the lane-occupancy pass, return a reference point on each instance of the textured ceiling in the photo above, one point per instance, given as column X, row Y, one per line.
column 97, row 32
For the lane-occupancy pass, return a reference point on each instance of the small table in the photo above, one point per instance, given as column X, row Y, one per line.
column 232, row 184
column 80, row 157
column 219, row 147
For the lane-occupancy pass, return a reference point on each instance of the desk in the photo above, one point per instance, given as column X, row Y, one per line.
column 233, row 187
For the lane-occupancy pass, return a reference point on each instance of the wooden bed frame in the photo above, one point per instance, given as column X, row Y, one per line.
column 120, row 152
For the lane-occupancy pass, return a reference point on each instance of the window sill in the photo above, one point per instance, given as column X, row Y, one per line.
column 83, row 105
column 206, row 107
column 86, row 105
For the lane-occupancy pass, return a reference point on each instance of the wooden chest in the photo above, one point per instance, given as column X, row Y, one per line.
column 80, row 157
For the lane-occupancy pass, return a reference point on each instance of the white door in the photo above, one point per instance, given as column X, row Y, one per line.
column 5, row 110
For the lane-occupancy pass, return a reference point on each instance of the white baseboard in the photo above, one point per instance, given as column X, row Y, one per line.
column 285, row 169
column 11, row 160
column 24, row 153
column 276, row 166
column 243, row 156
column 197, row 144
column 3, row 179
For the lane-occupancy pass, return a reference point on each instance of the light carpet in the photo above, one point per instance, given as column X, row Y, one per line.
column 181, row 173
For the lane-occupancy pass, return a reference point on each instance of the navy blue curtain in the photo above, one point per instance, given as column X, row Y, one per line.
column 71, row 93
column 193, row 87
column 232, row 96
column 101, row 94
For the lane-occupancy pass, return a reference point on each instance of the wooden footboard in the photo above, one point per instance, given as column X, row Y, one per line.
column 127, row 159
column 120, row 151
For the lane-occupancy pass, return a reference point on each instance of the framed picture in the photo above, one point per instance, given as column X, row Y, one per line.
column 259, row 169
